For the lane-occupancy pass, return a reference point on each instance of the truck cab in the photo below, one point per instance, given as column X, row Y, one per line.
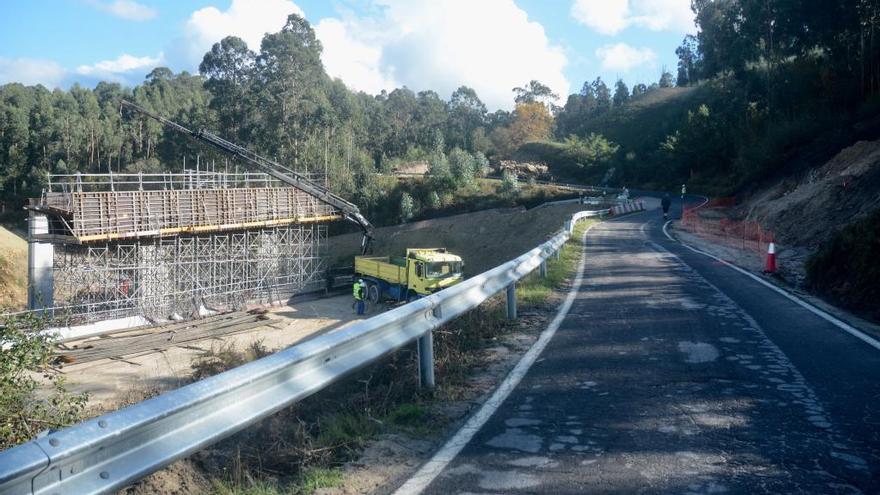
column 420, row 272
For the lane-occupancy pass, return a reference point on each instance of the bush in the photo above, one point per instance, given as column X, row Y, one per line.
column 846, row 270
column 23, row 413
column 509, row 184
column 407, row 207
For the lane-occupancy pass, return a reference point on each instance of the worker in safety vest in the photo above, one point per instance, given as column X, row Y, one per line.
column 360, row 292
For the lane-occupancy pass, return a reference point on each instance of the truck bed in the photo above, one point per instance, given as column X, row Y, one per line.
column 389, row 269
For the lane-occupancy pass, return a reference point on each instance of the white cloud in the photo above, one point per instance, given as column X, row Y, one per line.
column 603, row 16
column 612, row 16
column 247, row 19
column 489, row 45
column 623, row 57
column 123, row 63
column 356, row 62
column 29, row 71
column 128, row 9
column 664, row 15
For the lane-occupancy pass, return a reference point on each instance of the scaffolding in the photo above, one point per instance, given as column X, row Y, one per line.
column 174, row 245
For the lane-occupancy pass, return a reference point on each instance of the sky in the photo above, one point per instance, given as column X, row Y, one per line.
column 489, row 45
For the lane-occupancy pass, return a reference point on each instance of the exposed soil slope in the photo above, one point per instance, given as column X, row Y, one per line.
column 13, row 270
column 807, row 210
column 483, row 239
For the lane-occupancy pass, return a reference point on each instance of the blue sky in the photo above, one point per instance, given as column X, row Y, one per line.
column 491, row 45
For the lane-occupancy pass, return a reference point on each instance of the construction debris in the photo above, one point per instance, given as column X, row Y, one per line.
column 145, row 341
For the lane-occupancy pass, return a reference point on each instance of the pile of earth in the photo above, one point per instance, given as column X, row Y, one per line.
column 523, row 169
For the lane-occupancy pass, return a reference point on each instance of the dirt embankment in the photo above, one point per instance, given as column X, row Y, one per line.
column 13, row 270
column 808, row 210
column 483, row 239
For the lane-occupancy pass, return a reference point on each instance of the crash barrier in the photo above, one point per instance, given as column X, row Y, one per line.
column 103, row 454
column 709, row 221
column 627, row 206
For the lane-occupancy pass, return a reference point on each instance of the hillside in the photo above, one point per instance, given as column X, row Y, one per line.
column 484, row 239
column 808, row 209
column 13, row 270
column 637, row 127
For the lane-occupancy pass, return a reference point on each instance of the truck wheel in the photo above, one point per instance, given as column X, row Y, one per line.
column 373, row 293
column 411, row 296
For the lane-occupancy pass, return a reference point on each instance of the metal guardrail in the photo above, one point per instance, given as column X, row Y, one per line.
column 111, row 451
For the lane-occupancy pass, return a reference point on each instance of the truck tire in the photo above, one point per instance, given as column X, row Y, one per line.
column 373, row 293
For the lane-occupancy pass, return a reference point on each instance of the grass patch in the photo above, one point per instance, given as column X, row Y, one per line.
column 534, row 290
column 317, row 478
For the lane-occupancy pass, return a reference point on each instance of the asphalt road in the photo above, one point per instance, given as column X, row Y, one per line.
column 674, row 374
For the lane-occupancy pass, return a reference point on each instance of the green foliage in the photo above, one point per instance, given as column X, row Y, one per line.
column 586, row 159
column 316, row 478
column 463, row 167
column 509, row 183
column 845, row 269
column 434, row 201
column 407, row 207
column 24, row 409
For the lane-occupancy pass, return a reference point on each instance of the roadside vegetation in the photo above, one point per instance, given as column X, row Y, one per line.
column 25, row 409
column 845, row 270
column 303, row 448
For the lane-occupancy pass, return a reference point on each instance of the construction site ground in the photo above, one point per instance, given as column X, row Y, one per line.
column 125, row 379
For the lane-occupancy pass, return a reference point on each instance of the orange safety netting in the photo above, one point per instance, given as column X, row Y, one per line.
column 745, row 235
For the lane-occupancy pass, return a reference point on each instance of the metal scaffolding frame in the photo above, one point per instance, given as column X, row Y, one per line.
column 178, row 277
column 230, row 246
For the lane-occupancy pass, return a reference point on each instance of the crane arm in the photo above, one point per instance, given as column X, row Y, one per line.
column 273, row 168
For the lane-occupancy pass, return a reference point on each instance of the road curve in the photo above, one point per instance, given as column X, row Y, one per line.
column 672, row 373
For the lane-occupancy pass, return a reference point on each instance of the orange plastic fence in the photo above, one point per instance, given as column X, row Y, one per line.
column 746, row 235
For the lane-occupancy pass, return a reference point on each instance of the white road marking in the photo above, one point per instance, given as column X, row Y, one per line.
column 431, row 469
column 788, row 295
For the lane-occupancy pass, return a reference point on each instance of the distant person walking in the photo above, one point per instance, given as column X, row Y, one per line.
column 684, row 191
column 360, row 291
column 665, row 203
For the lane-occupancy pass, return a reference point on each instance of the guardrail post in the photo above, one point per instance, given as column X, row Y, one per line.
column 426, row 360
column 511, row 301
column 543, row 269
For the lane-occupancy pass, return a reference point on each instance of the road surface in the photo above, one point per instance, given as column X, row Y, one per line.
column 675, row 374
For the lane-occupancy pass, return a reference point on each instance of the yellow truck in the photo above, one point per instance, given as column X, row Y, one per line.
column 419, row 273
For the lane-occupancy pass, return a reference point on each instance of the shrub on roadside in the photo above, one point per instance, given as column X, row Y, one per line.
column 24, row 411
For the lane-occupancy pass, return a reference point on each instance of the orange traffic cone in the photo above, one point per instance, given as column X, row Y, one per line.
column 770, row 266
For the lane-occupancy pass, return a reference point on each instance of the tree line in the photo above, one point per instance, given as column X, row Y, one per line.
column 758, row 83
column 277, row 101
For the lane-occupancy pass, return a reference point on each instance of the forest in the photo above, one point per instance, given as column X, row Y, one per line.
column 757, row 81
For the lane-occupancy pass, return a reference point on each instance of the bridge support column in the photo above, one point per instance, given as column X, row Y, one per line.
column 511, row 301
column 41, row 279
column 426, row 360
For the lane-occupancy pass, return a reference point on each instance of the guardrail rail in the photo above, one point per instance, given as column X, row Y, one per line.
column 108, row 452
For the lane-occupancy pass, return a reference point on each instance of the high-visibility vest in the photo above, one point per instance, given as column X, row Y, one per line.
column 357, row 291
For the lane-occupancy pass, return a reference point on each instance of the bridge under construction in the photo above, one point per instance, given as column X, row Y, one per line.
column 176, row 245
column 172, row 245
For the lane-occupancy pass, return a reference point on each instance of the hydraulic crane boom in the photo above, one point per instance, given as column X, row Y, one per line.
column 275, row 169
